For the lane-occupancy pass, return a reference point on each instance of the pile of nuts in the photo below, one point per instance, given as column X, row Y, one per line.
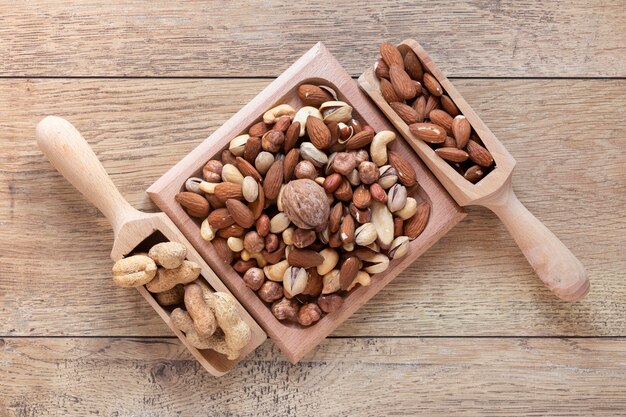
column 419, row 100
column 308, row 204
column 211, row 319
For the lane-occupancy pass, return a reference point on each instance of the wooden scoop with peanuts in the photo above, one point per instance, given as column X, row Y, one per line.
column 70, row 154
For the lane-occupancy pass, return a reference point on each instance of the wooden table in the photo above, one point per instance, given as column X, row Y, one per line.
column 467, row 330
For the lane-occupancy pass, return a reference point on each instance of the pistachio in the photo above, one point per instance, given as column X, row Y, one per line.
column 345, row 132
column 310, row 153
column 383, row 221
column 353, row 178
column 303, row 114
column 193, row 185
column 348, row 247
column 388, row 176
column 378, row 262
column 336, row 111
column 250, row 189
column 277, row 271
column 235, row 244
column 409, row 209
column 396, row 197
column 294, row 280
column 263, row 162
column 365, row 234
column 399, row 247
column 331, row 282
column 238, row 144
column 279, row 223
column 230, row 173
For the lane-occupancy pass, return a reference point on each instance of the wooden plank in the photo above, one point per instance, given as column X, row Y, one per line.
column 571, row 173
column 344, row 377
column 580, row 38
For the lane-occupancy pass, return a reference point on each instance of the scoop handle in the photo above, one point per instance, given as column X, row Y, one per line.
column 72, row 156
column 553, row 262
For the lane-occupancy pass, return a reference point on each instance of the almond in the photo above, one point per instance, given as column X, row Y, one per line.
column 240, row 213
column 432, row 103
column 234, row 230
column 312, row 95
column 226, row 190
column 452, row 154
column 381, row 69
column 195, row 204
column 387, row 91
column 304, row 258
column 474, row 173
column 258, row 129
column 346, row 230
column 289, row 164
column 413, row 66
column 401, row 82
column 448, row 105
column 246, row 169
column 406, row 113
column 432, row 85
column 478, row 154
column 461, row 130
column 359, row 140
column 291, row 136
column 220, row 218
column 441, row 118
column 419, row 106
column 406, row 173
column 390, row 54
column 403, row 49
column 361, row 197
column 222, row 249
column 449, row 142
column 428, row 132
column 348, row 271
column 318, row 132
column 414, row 226
column 282, row 124
column 273, row 180
column 334, row 219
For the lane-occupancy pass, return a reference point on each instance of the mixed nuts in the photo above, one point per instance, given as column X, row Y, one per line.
column 210, row 319
column 308, row 204
column 432, row 116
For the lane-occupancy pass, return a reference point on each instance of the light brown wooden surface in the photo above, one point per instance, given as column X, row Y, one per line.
column 346, row 377
column 507, row 38
column 497, row 348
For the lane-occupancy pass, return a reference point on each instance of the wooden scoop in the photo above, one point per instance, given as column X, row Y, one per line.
column 553, row 262
column 71, row 155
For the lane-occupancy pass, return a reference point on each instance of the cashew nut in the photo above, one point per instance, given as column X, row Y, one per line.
column 331, row 282
column 303, row 114
column 378, row 148
column 270, row 116
column 206, row 231
column 277, row 271
column 362, row 278
column 260, row 260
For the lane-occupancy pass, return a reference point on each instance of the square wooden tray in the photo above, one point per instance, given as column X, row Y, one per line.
column 316, row 66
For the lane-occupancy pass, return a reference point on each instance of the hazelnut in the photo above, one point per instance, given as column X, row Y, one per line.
column 254, row 278
column 271, row 242
column 270, row 291
column 360, row 155
column 368, row 172
column 286, row 309
column 344, row 163
column 212, row 171
column 309, row 314
column 329, row 303
column 253, row 242
column 305, row 169
column 272, row 141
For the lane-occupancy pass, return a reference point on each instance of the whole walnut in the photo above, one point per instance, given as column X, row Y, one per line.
column 305, row 203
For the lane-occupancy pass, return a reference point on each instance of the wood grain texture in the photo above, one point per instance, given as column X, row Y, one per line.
column 579, row 38
column 343, row 377
column 571, row 173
